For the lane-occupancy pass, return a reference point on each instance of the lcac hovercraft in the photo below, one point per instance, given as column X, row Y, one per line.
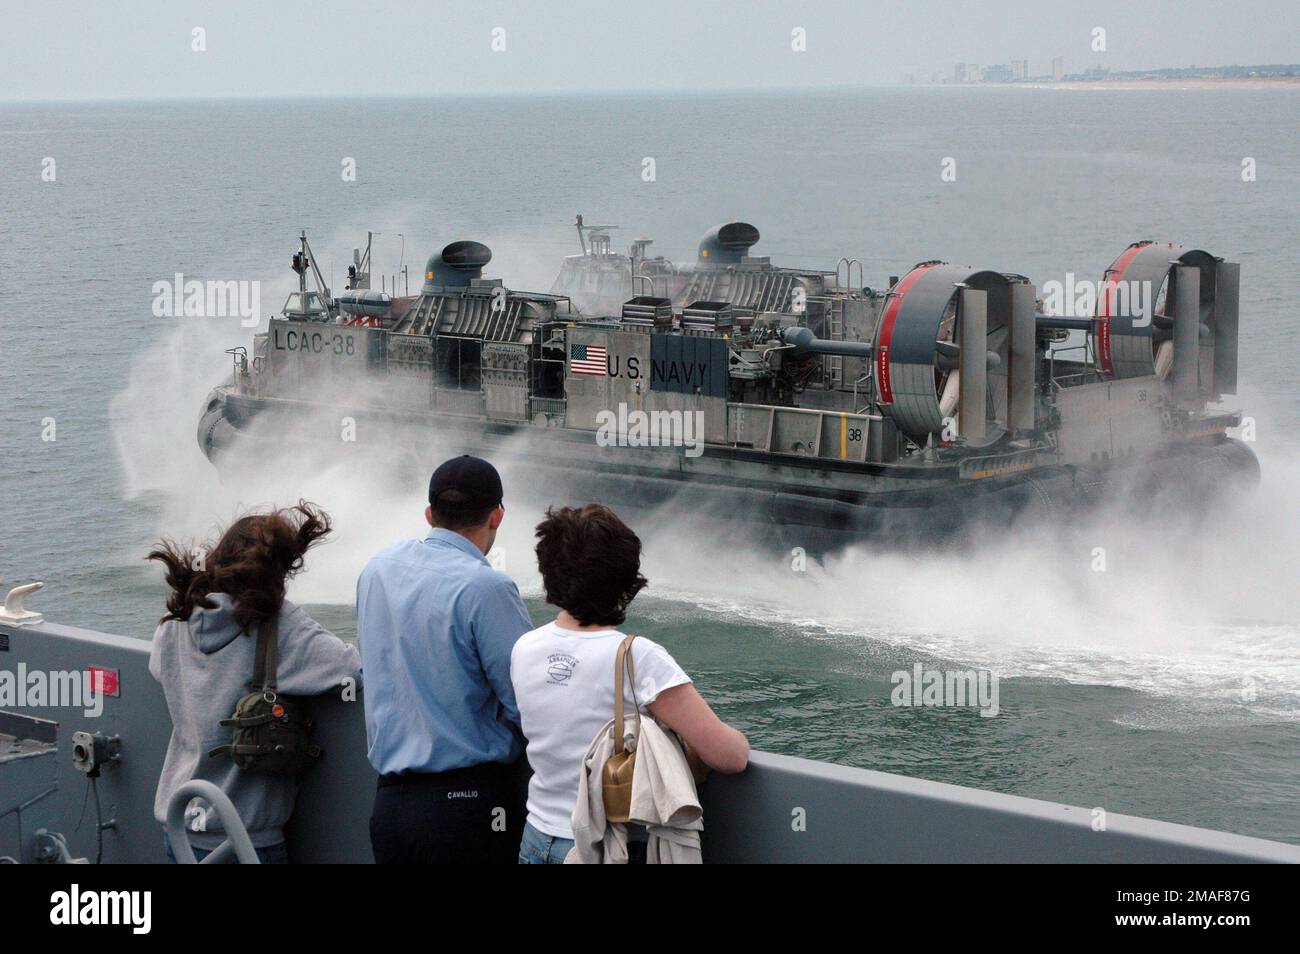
column 819, row 409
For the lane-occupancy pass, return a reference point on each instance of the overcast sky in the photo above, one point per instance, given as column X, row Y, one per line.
column 133, row 49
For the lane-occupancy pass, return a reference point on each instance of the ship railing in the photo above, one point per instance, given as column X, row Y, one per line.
column 847, row 264
column 648, row 288
column 864, row 816
column 551, row 407
column 239, row 358
column 862, row 384
column 1064, row 381
column 1074, row 377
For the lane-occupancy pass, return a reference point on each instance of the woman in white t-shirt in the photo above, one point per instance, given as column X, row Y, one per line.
column 563, row 672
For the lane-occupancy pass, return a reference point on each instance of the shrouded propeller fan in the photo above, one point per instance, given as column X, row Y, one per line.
column 1134, row 321
column 942, row 354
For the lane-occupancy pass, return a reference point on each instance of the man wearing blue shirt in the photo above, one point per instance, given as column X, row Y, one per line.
column 435, row 626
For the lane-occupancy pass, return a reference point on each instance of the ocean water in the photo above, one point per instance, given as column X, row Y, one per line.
column 1167, row 686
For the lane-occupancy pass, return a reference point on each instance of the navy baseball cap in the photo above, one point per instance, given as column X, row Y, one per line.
column 475, row 480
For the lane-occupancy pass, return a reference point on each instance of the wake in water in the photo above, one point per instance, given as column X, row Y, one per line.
column 1202, row 609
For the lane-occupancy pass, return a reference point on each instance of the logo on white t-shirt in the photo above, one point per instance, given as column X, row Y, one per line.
column 559, row 668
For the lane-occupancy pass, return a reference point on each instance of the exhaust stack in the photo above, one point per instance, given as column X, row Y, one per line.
column 456, row 266
column 727, row 244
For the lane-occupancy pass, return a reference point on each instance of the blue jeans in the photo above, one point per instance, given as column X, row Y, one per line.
column 270, row 855
column 538, row 848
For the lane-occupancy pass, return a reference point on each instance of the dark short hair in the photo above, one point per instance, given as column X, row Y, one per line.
column 453, row 510
column 590, row 562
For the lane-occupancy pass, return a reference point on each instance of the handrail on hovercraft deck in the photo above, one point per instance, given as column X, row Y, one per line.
column 237, row 839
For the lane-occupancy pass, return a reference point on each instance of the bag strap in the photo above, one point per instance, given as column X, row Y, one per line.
column 264, row 660
column 623, row 662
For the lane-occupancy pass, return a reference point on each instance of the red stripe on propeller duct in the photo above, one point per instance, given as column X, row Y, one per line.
column 887, row 331
column 1115, row 274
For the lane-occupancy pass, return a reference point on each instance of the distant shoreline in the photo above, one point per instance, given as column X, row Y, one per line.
column 271, row 99
column 1283, row 82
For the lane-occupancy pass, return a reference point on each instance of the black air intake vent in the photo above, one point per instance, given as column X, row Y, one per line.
column 727, row 244
column 456, row 266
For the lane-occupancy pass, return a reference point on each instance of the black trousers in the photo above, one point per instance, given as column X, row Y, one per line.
column 472, row 815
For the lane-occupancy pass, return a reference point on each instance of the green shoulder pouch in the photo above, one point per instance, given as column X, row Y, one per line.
column 272, row 732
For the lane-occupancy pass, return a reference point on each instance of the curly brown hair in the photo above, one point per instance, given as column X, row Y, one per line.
column 251, row 562
column 590, row 562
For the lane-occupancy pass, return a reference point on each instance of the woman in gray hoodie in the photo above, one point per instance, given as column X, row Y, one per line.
column 203, row 655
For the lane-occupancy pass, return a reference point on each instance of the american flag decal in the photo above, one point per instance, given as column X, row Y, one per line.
column 588, row 359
